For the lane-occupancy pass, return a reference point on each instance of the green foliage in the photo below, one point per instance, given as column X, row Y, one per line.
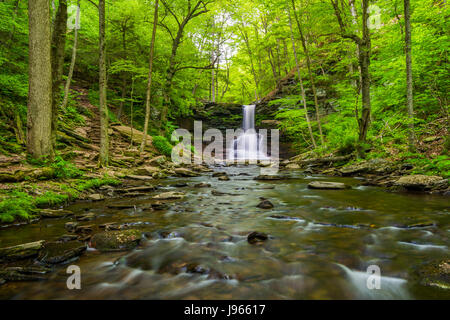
column 18, row 206
column 162, row 145
column 64, row 169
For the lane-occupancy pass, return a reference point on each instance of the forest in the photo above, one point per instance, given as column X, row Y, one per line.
column 92, row 91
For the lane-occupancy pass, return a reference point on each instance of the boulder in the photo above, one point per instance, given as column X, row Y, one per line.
column 327, row 185
column 292, row 166
column 71, row 226
column 265, row 204
column 58, row 252
column 146, row 171
column 257, row 237
column 374, row 166
column 116, row 240
column 224, row 178
column 169, row 195
column 86, row 217
column 21, row 251
column 183, row 172
column 433, row 274
column 96, row 197
column 421, row 182
column 49, row 213
column 218, row 174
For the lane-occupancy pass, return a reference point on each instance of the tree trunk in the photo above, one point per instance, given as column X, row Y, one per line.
column 58, row 46
column 74, row 57
column 364, row 61
column 311, row 78
column 124, row 74
column 409, row 79
column 300, row 78
column 104, row 138
column 149, row 82
column 39, row 117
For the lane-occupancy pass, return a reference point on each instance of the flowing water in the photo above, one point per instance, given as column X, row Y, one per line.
column 249, row 144
column 320, row 246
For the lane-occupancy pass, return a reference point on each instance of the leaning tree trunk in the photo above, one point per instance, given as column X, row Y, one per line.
column 300, row 80
column 74, row 58
column 104, row 138
column 58, row 46
column 39, row 116
column 149, row 82
column 409, row 79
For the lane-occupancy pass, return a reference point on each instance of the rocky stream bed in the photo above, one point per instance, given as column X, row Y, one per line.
column 234, row 234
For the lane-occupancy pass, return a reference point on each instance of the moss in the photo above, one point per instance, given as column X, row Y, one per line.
column 20, row 206
column 162, row 145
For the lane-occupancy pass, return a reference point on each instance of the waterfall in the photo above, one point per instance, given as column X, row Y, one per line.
column 249, row 145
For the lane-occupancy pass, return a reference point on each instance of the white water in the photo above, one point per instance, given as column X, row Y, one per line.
column 249, row 145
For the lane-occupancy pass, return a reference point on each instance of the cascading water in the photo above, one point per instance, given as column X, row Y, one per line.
column 249, row 145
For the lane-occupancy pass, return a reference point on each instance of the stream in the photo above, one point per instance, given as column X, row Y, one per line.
column 320, row 244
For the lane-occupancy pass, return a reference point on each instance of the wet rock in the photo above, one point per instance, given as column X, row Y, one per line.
column 433, row 274
column 157, row 161
column 202, row 185
column 374, row 166
column 86, row 217
column 257, row 237
column 180, row 185
column 116, row 240
column 68, row 237
column 421, row 182
column 49, row 213
column 292, row 166
column 218, row 174
column 224, row 178
column 160, row 175
column 327, row 185
column 58, row 252
column 137, row 177
column 32, row 273
column 169, row 234
column 169, row 196
column 265, row 204
column 71, row 226
column 264, row 177
column 21, row 251
column 146, row 171
column 121, row 206
column 219, row 193
column 183, row 172
column 279, row 217
column 96, row 197
column 159, row 206
column 84, row 229
column 136, row 189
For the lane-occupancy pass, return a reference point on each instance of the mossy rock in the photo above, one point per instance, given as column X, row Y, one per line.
column 22, row 251
column 58, row 252
column 433, row 274
column 116, row 240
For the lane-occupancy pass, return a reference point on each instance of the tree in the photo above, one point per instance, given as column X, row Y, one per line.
column 58, row 46
column 300, row 78
column 363, row 43
column 191, row 12
column 103, row 107
column 149, row 82
column 409, row 79
column 39, row 117
column 308, row 64
column 73, row 59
